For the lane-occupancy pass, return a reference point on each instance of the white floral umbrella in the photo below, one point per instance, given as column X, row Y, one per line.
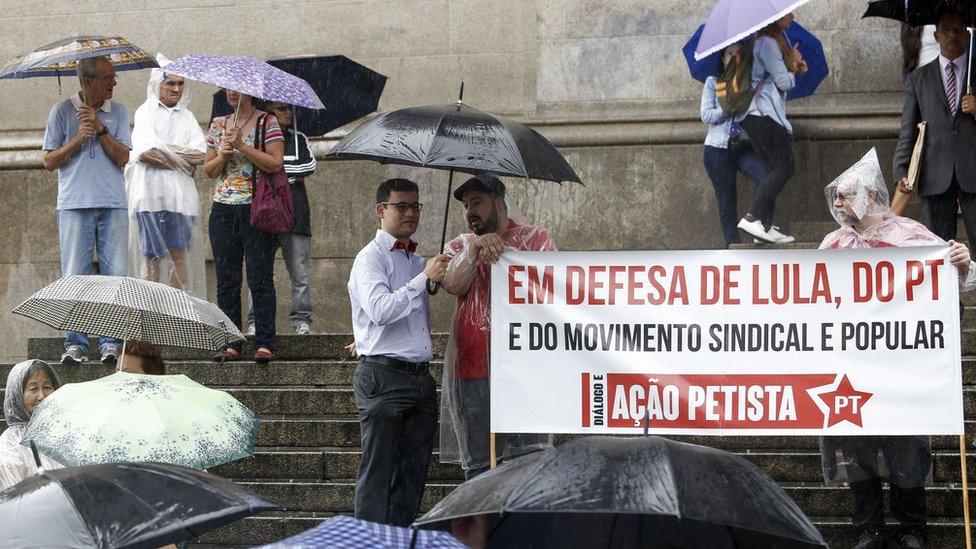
column 139, row 417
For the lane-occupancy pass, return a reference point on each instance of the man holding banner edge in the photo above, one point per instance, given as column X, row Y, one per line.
column 495, row 227
column 858, row 200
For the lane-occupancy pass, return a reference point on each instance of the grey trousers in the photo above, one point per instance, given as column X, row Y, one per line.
column 296, row 250
column 398, row 422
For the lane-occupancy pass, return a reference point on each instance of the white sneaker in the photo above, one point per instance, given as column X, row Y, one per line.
column 74, row 354
column 755, row 228
column 779, row 237
column 303, row 328
column 250, row 330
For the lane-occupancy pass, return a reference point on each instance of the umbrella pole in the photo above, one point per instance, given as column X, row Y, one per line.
column 969, row 86
column 434, row 287
column 491, row 451
column 965, row 491
column 118, row 363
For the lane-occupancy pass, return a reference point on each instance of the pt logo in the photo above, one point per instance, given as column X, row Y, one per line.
column 844, row 403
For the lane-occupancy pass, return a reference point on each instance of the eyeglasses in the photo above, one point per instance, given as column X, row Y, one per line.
column 845, row 196
column 404, row 206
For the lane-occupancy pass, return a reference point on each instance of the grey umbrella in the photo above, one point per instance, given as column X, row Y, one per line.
column 130, row 308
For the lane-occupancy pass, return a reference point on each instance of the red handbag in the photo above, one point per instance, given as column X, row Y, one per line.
column 272, row 210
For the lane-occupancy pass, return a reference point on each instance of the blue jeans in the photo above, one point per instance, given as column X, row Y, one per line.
column 296, row 249
column 234, row 241
column 80, row 233
column 722, row 166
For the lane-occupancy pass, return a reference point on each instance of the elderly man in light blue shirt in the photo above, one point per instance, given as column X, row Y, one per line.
column 87, row 139
column 395, row 394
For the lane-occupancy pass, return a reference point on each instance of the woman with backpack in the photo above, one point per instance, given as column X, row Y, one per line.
column 774, row 68
column 727, row 152
column 238, row 145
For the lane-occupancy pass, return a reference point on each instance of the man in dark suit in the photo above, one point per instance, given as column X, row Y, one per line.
column 938, row 94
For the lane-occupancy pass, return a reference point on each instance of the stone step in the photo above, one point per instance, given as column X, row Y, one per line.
column 302, row 432
column 319, row 373
column 307, row 399
column 289, row 347
column 325, row 463
column 343, row 463
column 942, row 500
column 269, row 527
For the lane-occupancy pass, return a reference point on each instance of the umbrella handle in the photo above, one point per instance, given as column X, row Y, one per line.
column 37, row 457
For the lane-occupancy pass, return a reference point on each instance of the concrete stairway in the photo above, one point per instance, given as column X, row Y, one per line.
column 307, row 452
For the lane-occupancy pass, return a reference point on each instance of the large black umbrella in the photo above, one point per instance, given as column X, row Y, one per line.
column 455, row 137
column 919, row 12
column 350, row 91
column 119, row 505
column 629, row 492
column 926, row 12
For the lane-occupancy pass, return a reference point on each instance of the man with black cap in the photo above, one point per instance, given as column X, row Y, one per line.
column 465, row 396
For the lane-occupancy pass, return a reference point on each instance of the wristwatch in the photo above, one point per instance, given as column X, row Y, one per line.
column 103, row 132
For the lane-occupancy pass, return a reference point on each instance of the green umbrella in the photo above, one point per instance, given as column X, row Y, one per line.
column 138, row 417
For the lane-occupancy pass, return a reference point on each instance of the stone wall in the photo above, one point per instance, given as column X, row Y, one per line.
column 605, row 81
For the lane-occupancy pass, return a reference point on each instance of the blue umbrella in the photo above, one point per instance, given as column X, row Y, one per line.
column 346, row 532
column 810, row 47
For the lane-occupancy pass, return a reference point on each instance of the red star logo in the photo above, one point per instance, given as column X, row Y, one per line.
column 845, row 403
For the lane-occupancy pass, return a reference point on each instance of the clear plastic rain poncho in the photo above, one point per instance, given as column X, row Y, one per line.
column 465, row 405
column 165, row 224
column 868, row 222
column 17, row 460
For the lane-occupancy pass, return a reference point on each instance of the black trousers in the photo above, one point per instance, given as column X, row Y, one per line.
column 234, row 241
column 398, row 421
column 939, row 212
column 907, row 460
column 939, row 215
column 775, row 146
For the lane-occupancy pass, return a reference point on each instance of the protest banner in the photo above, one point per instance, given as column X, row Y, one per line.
column 777, row 342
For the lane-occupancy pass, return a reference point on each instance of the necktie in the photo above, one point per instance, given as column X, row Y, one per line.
column 951, row 92
column 411, row 248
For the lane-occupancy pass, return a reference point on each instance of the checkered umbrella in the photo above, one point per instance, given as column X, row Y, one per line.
column 346, row 532
column 130, row 308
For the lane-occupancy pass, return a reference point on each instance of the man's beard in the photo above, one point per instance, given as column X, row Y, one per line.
column 846, row 218
column 488, row 225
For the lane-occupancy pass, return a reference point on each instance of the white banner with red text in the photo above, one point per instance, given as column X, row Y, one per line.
column 801, row 342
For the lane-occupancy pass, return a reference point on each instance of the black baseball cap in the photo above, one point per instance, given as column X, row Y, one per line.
column 481, row 182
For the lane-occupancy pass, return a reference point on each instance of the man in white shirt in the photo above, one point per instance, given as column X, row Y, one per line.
column 395, row 394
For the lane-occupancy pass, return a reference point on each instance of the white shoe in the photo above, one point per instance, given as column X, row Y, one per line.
column 779, row 237
column 755, row 228
column 303, row 328
column 250, row 330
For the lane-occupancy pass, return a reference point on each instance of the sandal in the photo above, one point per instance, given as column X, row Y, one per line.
column 263, row 356
column 227, row 355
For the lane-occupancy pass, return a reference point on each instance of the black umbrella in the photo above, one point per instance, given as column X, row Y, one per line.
column 455, row 137
column 926, row 12
column 919, row 12
column 629, row 492
column 118, row 505
column 350, row 91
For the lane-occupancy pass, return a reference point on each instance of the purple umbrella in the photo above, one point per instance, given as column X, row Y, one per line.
column 248, row 76
column 733, row 20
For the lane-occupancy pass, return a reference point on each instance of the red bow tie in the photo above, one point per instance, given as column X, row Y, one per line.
column 410, row 248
